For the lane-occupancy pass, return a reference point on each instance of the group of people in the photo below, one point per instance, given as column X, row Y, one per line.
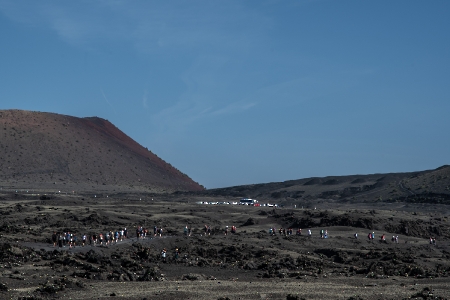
column 143, row 233
column 371, row 237
column 71, row 240
column 164, row 254
column 290, row 231
column 323, row 234
column 233, row 229
column 207, row 230
column 63, row 239
column 283, row 231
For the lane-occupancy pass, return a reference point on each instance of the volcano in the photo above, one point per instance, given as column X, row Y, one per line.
column 48, row 151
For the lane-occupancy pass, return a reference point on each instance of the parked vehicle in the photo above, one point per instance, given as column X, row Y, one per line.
column 248, row 201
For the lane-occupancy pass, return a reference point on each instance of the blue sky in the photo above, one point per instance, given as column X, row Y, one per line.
column 241, row 92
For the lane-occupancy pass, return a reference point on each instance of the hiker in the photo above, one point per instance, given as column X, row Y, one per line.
column 54, row 238
column 309, row 232
column 163, row 255
column 70, row 240
column 186, row 230
column 226, row 230
column 299, row 231
column 432, row 241
column 60, row 241
column 356, row 235
column 325, row 235
column 321, row 233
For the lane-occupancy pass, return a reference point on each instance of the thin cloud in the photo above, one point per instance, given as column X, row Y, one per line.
column 147, row 27
column 184, row 114
column 309, row 87
column 233, row 108
column 106, row 99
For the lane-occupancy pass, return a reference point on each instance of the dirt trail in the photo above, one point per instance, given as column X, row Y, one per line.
column 97, row 247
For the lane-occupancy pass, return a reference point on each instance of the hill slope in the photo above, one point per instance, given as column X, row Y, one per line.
column 51, row 151
column 431, row 186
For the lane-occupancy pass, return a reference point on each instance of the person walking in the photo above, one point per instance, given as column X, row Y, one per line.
column 163, row 255
column 54, row 238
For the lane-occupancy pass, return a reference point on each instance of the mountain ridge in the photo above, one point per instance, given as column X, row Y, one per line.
column 428, row 186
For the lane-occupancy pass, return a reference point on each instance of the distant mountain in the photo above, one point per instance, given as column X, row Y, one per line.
column 431, row 186
column 45, row 151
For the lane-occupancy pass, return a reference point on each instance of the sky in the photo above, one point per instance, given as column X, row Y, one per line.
column 243, row 92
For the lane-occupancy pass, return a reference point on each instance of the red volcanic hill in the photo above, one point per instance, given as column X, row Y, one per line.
column 50, row 151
